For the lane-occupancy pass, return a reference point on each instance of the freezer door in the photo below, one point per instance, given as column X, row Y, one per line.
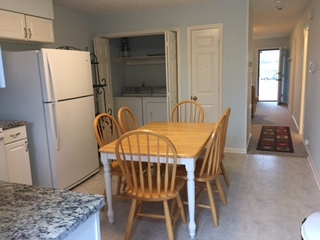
column 72, row 144
column 65, row 74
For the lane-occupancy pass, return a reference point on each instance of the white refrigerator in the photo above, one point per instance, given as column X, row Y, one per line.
column 52, row 90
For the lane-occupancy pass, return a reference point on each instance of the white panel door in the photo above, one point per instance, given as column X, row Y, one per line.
column 171, row 71
column 105, row 99
column 205, row 71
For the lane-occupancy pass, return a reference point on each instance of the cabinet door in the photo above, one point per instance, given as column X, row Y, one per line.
column 39, row 29
column 18, row 162
column 12, row 25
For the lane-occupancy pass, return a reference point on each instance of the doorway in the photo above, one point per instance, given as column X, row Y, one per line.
column 268, row 75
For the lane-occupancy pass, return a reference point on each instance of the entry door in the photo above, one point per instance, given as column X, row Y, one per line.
column 205, row 67
column 171, row 71
column 104, row 91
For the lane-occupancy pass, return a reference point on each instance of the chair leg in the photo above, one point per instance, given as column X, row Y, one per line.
column 224, row 174
column 212, row 205
column 220, row 191
column 119, row 183
column 130, row 218
column 168, row 220
column 180, row 205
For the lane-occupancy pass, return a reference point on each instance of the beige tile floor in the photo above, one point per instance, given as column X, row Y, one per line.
column 268, row 198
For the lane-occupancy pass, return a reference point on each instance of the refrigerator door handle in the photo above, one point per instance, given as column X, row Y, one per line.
column 51, row 77
column 55, row 125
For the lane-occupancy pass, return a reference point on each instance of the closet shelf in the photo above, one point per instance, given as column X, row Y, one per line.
column 144, row 60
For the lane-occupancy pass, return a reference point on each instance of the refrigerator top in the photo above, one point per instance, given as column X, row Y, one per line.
column 65, row 74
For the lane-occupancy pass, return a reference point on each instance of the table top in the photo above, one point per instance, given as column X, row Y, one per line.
column 188, row 138
column 30, row 212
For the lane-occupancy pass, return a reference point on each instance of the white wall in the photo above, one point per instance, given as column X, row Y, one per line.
column 296, row 66
column 312, row 112
column 233, row 14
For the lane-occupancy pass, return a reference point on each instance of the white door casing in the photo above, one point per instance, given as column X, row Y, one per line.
column 101, row 49
column 171, row 71
column 205, row 69
column 280, row 75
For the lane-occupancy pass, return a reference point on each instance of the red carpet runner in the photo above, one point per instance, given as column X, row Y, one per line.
column 275, row 138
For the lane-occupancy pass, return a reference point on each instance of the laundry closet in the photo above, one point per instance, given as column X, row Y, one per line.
column 140, row 72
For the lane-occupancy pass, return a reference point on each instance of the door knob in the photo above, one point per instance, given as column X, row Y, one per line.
column 194, row 98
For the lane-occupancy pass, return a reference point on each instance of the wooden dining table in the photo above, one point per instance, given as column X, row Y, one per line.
column 189, row 139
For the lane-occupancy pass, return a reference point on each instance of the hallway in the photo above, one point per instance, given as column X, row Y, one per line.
column 269, row 113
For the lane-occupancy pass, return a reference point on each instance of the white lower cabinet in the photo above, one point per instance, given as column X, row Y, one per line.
column 17, row 155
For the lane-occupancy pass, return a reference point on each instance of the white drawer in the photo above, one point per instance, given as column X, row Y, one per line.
column 14, row 134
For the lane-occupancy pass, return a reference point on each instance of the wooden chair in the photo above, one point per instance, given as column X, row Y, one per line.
column 106, row 130
column 187, row 111
column 208, row 171
column 127, row 120
column 223, row 144
column 150, row 184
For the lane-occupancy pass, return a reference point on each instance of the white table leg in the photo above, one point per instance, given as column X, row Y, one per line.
column 191, row 198
column 108, row 185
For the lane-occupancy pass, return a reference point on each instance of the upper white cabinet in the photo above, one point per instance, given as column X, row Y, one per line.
column 18, row 26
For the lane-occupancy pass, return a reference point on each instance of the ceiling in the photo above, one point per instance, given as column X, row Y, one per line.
column 268, row 22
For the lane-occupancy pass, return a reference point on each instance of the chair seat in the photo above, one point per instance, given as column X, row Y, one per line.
column 154, row 196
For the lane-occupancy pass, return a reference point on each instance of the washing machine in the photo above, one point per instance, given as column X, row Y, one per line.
column 132, row 98
column 134, row 103
column 154, row 109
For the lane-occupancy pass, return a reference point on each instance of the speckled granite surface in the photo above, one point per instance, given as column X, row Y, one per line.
column 29, row 212
column 6, row 124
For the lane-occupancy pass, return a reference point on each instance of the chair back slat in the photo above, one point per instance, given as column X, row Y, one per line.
column 154, row 179
column 127, row 120
column 211, row 163
column 224, row 134
column 187, row 111
column 106, row 129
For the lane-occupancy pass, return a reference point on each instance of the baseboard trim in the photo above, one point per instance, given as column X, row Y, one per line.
column 235, row 150
column 313, row 168
column 295, row 122
column 248, row 142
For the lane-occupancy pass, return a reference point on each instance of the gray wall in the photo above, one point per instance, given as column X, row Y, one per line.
column 233, row 14
column 74, row 29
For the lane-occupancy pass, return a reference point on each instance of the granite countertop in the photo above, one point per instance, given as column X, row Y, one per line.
column 6, row 124
column 30, row 212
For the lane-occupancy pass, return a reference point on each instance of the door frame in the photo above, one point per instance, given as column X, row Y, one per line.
column 304, row 78
column 258, row 71
column 218, row 26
